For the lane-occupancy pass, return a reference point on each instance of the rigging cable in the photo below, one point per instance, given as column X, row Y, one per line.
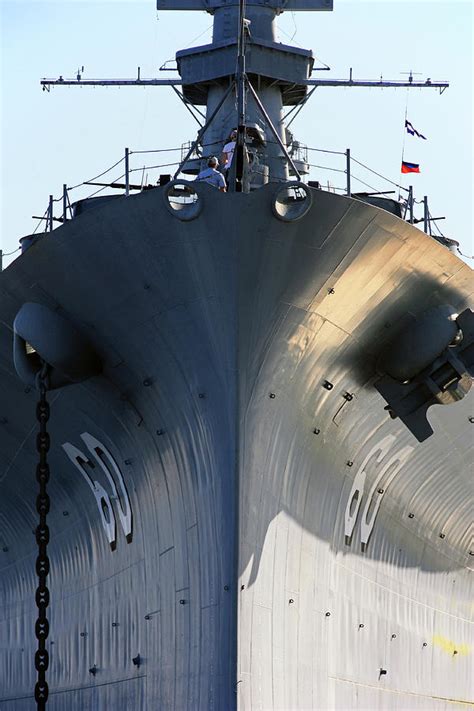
column 378, row 174
column 322, row 150
column 103, row 188
column 151, row 167
column 157, row 150
column 326, row 167
column 41, row 220
column 363, row 182
column 8, row 254
column 97, row 176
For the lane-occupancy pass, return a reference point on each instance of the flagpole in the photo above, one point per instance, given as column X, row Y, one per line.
column 404, row 138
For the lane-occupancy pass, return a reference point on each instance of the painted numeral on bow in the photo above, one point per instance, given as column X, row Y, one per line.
column 389, row 469
column 86, row 465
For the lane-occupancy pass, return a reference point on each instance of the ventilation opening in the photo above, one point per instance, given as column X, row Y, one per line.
column 182, row 200
column 292, row 202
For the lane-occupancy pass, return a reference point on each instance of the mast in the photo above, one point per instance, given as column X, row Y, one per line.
column 239, row 159
column 268, row 76
column 244, row 78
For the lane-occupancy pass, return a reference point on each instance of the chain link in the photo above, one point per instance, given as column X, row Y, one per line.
column 42, row 539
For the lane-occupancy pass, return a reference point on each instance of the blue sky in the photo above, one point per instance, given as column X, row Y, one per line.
column 72, row 134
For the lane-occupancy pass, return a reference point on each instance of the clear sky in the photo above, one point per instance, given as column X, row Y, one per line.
column 72, row 134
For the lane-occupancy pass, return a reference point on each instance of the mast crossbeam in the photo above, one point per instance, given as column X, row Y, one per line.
column 46, row 83
column 442, row 85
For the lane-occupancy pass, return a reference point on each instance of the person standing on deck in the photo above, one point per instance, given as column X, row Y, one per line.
column 228, row 152
column 212, row 176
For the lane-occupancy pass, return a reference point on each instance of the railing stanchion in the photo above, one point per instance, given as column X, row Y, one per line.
column 426, row 222
column 410, row 203
column 348, row 171
column 49, row 222
column 127, row 173
column 64, row 202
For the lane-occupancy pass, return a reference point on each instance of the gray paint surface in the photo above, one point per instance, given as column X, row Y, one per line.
column 238, row 507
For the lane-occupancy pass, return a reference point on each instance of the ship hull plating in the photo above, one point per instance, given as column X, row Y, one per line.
column 272, row 538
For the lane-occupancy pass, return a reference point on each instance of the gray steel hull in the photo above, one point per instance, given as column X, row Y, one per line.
column 240, row 587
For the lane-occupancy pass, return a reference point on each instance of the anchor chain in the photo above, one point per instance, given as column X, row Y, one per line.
column 42, row 539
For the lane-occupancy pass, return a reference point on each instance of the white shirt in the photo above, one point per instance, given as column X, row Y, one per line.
column 229, row 151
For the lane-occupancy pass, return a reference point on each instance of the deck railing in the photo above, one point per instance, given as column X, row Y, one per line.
column 133, row 178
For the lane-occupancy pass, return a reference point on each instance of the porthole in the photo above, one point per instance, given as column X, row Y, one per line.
column 292, row 201
column 182, row 200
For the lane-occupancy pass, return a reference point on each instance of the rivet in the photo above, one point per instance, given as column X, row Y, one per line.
column 201, row 396
column 382, row 671
column 146, row 286
column 115, row 624
column 328, row 385
column 442, row 535
column 348, row 396
column 83, row 634
column 272, row 396
column 93, row 670
column 65, row 513
column 27, row 389
column 328, row 614
column 471, row 552
column 471, row 420
column 226, row 587
column 242, row 587
column 394, row 636
column 127, row 462
column 380, row 491
column 137, row 660
column 182, row 601
column 290, row 601
column 160, row 432
column 455, row 651
column 331, row 291
column 316, row 431
column 411, row 515
column 5, row 549
column 147, row 382
column 147, row 617
column 361, row 626
column 349, row 463
column 425, row 644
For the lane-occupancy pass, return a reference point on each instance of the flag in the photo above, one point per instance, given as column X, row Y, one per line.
column 412, row 130
column 410, row 167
